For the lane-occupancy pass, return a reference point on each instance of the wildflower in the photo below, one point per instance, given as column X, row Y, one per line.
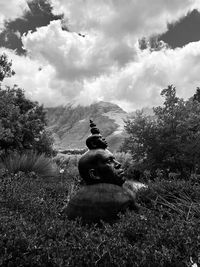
column 193, row 263
column 62, row 170
column 142, row 217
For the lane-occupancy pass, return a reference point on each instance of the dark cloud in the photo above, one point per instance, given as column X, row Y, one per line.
column 179, row 33
column 38, row 15
column 184, row 31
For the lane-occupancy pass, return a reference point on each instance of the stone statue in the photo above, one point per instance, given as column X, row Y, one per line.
column 105, row 192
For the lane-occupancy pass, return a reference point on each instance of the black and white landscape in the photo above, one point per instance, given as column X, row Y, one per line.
column 122, row 77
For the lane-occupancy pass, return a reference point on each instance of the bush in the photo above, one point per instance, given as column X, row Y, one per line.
column 30, row 161
column 22, row 123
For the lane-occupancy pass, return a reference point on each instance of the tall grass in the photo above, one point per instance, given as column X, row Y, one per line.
column 175, row 196
column 30, row 161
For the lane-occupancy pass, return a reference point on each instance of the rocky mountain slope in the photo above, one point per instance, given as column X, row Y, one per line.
column 70, row 125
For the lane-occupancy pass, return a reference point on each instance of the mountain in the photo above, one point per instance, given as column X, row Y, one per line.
column 70, row 124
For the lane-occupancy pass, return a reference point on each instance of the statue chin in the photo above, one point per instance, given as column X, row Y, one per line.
column 102, row 145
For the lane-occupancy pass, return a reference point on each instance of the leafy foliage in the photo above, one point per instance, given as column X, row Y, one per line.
column 142, row 138
column 5, row 67
column 196, row 96
column 170, row 138
column 22, row 121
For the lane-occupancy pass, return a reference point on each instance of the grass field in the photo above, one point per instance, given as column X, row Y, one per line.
column 33, row 231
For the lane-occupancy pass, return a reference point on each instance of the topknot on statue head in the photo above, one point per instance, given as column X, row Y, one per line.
column 95, row 140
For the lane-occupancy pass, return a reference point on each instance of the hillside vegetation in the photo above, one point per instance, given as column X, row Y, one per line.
column 169, row 140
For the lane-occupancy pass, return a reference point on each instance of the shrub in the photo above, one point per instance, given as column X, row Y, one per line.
column 30, row 161
column 22, row 123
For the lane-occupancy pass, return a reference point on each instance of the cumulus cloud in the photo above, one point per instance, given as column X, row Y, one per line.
column 117, row 18
column 11, row 9
column 140, row 82
column 34, row 79
column 73, row 56
column 105, row 63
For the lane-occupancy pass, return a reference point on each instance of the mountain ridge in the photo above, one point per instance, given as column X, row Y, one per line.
column 70, row 124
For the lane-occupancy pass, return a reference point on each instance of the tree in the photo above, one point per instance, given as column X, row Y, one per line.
column 190, row 135
column 169, row 116
column 5, row 67
column 142, row 141
column 22, row 121
column 197, row 95
column 171, row 138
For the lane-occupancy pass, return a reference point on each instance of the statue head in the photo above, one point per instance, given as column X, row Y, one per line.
column 95, row 140
column 104, row 196
column 98, row 165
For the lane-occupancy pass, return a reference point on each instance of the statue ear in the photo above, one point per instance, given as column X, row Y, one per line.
column 94, row 145
column 93, row 175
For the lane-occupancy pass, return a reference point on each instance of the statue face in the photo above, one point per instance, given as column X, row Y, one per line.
column 96, row 141
column 108, row 169
column 100, row 142
column 100, row 166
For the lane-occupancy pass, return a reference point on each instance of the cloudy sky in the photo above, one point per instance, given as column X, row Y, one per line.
column 81, row 51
